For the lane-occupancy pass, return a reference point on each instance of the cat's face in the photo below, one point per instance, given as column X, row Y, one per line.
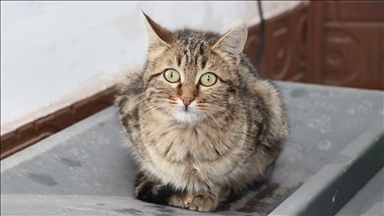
column 189, row 86
column 191, row 75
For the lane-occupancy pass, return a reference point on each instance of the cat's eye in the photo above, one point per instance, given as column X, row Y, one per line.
column 172, row 75
column 208, row 79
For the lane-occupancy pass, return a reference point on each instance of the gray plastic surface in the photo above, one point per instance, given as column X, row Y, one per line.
column 371, row 196
column 337, row 182
column 86, row 169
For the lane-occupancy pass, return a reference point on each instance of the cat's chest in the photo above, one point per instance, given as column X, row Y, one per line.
column 187, row 155
column 185, row 144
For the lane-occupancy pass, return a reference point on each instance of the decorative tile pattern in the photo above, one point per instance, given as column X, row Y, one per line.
column 284, row 52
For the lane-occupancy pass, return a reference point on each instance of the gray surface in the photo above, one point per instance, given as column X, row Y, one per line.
column 372, row 195
column 85, row 169
column 337, row 182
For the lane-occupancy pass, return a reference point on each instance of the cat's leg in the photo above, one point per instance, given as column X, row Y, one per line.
column 155, row 192
column 200, row 201
column 151, row 191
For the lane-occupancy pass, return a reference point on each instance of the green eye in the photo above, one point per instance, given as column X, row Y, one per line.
column 208, row 79
column 172, row 75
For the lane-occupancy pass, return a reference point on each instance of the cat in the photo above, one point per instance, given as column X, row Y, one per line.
column 201, row 121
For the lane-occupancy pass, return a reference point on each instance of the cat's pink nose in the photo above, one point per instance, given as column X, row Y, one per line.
column 187, row 100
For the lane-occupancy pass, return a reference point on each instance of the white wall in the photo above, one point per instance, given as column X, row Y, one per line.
column 55, row 53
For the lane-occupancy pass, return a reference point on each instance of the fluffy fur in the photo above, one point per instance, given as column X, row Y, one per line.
column 228, row 137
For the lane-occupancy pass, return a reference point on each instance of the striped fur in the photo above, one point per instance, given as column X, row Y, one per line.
column 229, row 136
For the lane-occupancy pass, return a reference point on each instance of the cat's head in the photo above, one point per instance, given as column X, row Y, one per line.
column 190, row 75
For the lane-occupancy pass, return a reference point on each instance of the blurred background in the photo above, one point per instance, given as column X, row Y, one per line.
column 61, row 60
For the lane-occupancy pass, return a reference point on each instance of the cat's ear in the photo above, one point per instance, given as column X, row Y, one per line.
column 233, row 41
column 158, row 37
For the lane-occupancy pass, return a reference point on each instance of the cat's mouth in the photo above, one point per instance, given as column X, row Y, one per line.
column 187, row 114
column 186, row 108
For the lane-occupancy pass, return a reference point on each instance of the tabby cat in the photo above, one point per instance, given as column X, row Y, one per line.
column 201, row 121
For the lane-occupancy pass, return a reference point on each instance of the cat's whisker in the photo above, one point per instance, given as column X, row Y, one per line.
column 220, row 138
column 149, row 109
column 140, row 101
column 238, row 104
column 245, row 132
column 206, row 117
column 226, row 111
column 138, row 95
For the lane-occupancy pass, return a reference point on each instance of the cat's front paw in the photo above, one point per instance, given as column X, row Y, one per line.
column 201, row 202
column 177, row 200
column 196, row 202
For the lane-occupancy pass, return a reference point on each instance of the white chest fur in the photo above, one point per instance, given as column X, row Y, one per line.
column 192, row 157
